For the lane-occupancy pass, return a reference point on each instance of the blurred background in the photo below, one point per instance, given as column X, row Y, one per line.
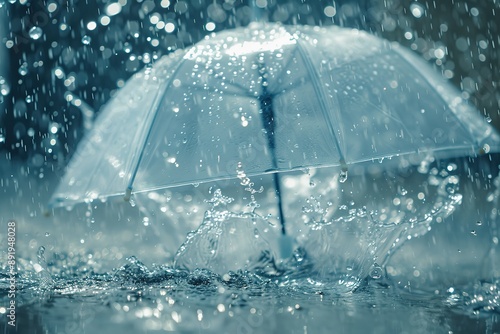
column 60, row 61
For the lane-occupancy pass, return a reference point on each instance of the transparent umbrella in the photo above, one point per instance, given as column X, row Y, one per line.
column 274, row 98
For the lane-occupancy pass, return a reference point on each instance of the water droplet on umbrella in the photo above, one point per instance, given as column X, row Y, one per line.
column 36, row 32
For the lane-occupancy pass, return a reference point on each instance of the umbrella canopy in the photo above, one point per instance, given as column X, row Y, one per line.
column 275, row 98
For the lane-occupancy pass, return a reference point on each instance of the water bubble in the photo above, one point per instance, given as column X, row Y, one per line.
column 376, row 272
column 36, row 32
column 47, row 234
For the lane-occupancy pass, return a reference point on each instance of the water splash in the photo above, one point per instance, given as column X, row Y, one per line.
column 45, row 279
column 249, row 187
column 227, row 241
column 480, row 299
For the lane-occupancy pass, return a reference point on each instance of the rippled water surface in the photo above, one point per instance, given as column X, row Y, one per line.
column 137, row 299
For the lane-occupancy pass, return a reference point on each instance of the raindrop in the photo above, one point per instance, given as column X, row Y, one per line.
column 47, row 234
column 86, row 40
column 4, row 88
column 417, row 10
column 479, row 223
column 169, row 27
column 52, row 7
column 23, row 69
column 210, row 26
column 36, row 32
column 105, row 20
column 91, row 25
column 261, row 3
column 113, row 9
column 127, row 47
column 330, row 11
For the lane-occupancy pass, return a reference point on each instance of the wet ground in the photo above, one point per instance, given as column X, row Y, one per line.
column 83, row 272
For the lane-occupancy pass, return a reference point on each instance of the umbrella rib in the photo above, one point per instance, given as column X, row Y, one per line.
column 321, row 96
column 100, row 162
column 155, row 110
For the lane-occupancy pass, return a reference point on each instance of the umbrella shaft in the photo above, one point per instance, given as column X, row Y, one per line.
column 266, row 107
column 267, row 113
column 276, row 178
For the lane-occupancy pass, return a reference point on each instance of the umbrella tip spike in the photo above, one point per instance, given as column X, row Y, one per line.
column 128, row 194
